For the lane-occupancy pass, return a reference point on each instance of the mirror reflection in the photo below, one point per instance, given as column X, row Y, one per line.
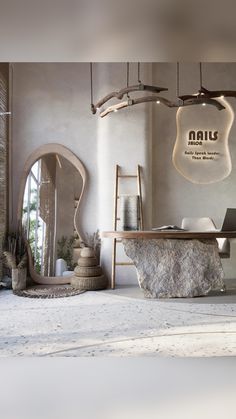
column 51, row 195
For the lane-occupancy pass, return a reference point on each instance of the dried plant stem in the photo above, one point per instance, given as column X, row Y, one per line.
column 10, row 260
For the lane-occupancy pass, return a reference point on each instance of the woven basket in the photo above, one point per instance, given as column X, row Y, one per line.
column 88, row 271
column 87, row 252
column 89, row 284
column 85, row 261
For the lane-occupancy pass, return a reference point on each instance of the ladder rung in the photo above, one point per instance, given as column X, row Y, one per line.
column 118, row 196
column 127, row 176
column 118, row 219
column 123, row 263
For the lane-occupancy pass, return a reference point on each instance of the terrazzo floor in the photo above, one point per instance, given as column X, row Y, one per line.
column 118, row 323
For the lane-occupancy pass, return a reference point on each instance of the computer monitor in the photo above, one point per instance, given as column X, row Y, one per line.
column 229, row 223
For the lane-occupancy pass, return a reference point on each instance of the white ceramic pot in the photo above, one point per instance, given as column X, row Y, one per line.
column 61, row 267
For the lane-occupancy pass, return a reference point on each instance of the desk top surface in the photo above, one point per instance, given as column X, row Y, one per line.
column 168, row 234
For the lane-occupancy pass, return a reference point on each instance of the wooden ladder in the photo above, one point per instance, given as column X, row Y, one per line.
column 118, row 176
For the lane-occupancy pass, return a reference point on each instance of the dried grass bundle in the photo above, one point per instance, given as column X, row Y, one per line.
column 15, row 255
column 23, row 261
column 94, row 241
column 10, row 260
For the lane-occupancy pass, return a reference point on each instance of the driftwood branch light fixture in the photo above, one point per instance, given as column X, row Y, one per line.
column 196, row 99
column 205, row 94
column 203, row 97
column 125, row 91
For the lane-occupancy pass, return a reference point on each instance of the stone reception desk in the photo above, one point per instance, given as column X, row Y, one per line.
column 174, row 264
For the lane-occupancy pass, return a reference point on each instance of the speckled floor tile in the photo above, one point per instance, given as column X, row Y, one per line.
column 118, row 323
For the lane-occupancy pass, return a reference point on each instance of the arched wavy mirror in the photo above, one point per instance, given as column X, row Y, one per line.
column 51, row 191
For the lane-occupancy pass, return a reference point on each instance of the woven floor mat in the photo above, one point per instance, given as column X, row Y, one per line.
column 54, row 291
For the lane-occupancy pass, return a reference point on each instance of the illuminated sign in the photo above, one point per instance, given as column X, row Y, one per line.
column 201, row 153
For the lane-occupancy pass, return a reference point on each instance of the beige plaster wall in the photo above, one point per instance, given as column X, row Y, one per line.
column 51, row 104
column 174, row 197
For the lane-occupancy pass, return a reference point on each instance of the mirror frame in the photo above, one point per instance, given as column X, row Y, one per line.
column 51, row 148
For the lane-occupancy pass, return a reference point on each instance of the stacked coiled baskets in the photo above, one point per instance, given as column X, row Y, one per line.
column 88, row 275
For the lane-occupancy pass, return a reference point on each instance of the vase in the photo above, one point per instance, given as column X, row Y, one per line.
column 19, row 279
column 61, row 266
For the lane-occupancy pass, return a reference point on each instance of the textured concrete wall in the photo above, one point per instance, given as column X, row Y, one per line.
column 51, row 103
column 174, row 197
column 123, row 138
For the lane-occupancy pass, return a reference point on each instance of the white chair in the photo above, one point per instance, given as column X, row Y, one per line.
column 207, row 224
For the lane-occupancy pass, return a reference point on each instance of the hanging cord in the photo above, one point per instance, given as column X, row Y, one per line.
column 91, row 86
column 127, row 79
column 177, row 80
column 200, row 74
column 139, row 81
column 177, row 84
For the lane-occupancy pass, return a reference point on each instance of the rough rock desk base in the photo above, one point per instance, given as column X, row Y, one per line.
column 174, row 263
column 169, row 268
